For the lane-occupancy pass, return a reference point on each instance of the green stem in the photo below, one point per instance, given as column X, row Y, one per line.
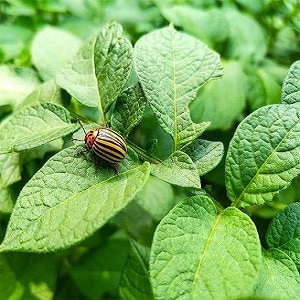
column 143, row 154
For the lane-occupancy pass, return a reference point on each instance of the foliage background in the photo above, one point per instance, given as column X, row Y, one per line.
column 257, row 41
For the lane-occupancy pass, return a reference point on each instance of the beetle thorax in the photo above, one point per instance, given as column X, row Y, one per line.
column 90, row 138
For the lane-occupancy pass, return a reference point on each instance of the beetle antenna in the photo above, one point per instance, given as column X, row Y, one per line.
column 81, row 125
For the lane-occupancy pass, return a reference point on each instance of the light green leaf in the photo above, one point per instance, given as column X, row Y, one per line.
column 284, row 232
column 66, row 201
column 23, row 276
column 6, row 202
column 291, row 85
column 210, row 105
column 177, row 169
column 33, row 126
column 134, row 282
column 10, row 168
column 16, row 84
column 278, row 277
column 51, row 48
column 46, row 92
column 98, row 273
column 98, row 72
column 13, row 39
column 263, row 155
column 156, row 197
column 198, row 254
column 193, row 20
column 206, row 155
column 246, row 37
column 129, row 110
column 263, row 88
column 171, row 67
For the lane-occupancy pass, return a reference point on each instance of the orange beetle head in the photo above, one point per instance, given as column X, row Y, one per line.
column 90, row 137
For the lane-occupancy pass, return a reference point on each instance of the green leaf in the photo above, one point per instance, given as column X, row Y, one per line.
column 206, row 155
column 278, row 277
column 263, row 88
column 177, row 169
column 193, row 20
column 171, row 67
column 46, row 92
column 23, row 276
column 263, row 155
column 98, row 273
column 198, row 254
column 10, row 168
column 65, row 202
column 15, row 84
column 98, row 72
column 134, row 282
column 291, row 85
column 284, row 232
column 246, row 37
column 129, row 110
column 13, row 39
column 51, row 48
column 210, row 105
column 33, row 126
column 6, row 202
column 156, row 197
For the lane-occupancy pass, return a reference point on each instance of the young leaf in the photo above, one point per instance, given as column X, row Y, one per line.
column 98, row 72
column 177, row 169
column 284, row 232
column 134, row 282
column 291, row 85
column 171, row 67
column 129, row 110
column 65, row 201
column 278, row 277
column 198, row 254
column 33, row 126
column 206, row 155
column 51, row 48
column 263, row 155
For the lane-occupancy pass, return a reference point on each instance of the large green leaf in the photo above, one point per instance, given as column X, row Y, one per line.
column 291, row 85
column 264, row 154
column 284, row 232
column 66, row 201
column 278, row 277
column 197, row 254
column 171, row 67
column 33, row 126
column 98, row 72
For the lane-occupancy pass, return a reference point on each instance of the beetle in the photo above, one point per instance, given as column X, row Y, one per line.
column 105, row 143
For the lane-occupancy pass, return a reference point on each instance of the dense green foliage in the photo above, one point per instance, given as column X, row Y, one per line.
column 205, row 204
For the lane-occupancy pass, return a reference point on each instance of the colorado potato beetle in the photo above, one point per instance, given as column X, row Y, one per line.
column 105, row 143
